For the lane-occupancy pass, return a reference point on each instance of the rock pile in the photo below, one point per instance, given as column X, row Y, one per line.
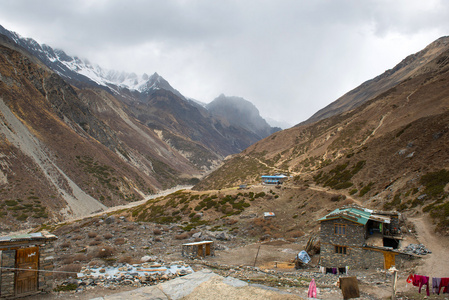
column 125, row 274
column 418, row 249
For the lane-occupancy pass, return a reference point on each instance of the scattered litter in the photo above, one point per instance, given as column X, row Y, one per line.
column 418, row 249
column 142, row 272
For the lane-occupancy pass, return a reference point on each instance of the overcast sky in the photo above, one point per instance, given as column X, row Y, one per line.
column 288, row 57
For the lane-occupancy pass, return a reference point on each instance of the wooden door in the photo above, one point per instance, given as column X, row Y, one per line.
column 207, row 249
column 389, row 260
column 26, row 281
column 200, row 250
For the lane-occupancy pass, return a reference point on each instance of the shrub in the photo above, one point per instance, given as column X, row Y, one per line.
column 65, row 245
column 94, row 243
column 182, row 236
column 120, row 241
column 296, row 234
column 71, row 268
column 125, row 259
column 435, row 182
column 92, row 234
column 105, row 252
column 79, row 257
column 157, row 231
column 108, row 236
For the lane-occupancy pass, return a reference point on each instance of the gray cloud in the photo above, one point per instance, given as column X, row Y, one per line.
column 290, row 58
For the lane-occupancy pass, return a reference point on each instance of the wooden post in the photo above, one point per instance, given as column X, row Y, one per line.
column 395, row 280
column 257, row 255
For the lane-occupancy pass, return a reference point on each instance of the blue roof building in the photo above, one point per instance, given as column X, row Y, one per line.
column 274, row 179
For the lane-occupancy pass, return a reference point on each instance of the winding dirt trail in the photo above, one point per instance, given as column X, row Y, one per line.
column 435, row 264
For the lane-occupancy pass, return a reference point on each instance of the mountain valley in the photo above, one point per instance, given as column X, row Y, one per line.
column 79, row 153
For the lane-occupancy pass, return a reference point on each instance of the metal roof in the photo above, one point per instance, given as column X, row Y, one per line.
column 198, row 243
column 28, row 236
column 357, row 215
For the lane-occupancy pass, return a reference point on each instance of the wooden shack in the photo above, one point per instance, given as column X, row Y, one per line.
column 198, row 249
column 26, row 264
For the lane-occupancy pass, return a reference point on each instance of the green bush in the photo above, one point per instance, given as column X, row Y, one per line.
column 435, row 182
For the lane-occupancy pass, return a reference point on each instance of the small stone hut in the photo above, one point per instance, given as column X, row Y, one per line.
column 26, row 264
column 360, row 238
column 198, row 249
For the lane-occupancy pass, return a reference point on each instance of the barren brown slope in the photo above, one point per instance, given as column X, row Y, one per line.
column 59, row 159
column 390, row 152
column 411, row 66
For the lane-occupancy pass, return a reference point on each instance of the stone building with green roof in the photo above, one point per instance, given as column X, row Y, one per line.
column 357, row 237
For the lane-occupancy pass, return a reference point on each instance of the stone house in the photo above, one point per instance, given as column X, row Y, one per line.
column 198, row 249
column 357, row 237
column 26, row 264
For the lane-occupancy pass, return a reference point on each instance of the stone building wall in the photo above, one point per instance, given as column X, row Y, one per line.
column 45, row 279
column 46, row 263
column 355, row 233
column 8, row 260
column 355, row 258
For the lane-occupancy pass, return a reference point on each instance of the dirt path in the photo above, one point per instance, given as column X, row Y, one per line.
column 437, row 263
column 133, row 204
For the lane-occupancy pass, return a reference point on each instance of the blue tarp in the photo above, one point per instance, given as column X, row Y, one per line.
column 304, row 257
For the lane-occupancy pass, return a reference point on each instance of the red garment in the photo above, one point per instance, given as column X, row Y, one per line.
column 416, row 280
column 424, row 281
column 444, row 283
column 410, row 278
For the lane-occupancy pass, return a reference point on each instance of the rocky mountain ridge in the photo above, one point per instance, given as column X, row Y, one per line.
column 70, row 146
column 409, row 67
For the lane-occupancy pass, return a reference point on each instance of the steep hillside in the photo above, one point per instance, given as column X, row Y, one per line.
column 85, row 139
column 411, row 66
column 59, row 159
column 389, row 152
column 189, row 127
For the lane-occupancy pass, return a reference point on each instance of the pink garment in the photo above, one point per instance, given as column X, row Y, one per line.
column 312, row 289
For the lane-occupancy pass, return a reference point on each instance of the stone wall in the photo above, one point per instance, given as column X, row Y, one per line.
column 355, row 233
column 354, row 238
column 46, row 263
column 45, row 279
column 355, row 258
column 8, row 260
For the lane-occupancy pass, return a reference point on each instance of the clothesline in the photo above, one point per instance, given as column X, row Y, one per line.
column 438, row 283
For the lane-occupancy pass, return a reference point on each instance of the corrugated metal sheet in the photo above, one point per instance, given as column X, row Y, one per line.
column 353, row 214
column 27, row 236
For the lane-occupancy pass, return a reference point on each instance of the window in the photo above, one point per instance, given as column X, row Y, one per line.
column 341, row 249
column 340, row 229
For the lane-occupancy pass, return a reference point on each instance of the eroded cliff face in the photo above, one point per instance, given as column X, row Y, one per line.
column 67, row 152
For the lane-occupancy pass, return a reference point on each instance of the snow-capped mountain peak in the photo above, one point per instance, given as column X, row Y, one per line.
column 73, row 67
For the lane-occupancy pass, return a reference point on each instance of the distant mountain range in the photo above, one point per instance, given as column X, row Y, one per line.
column 77, row 138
